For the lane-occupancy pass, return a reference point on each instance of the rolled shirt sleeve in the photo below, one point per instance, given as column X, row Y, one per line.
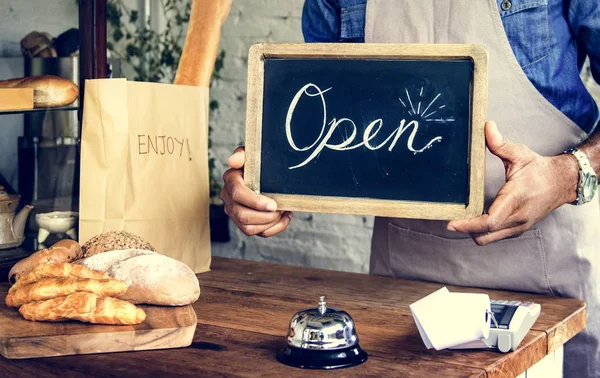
column 584, row 18
column 321, row 21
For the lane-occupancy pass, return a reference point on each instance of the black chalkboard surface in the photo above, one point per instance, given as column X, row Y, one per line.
column 371, row 134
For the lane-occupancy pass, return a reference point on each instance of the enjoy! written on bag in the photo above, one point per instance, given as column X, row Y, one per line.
column 144, row 166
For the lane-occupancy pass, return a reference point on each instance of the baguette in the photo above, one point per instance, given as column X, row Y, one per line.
column 48, row 91
column 202, row 42
column 62, row 251
column 84, row 307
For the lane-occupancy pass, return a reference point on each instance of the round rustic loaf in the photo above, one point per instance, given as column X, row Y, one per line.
column 156, row 279
column 152, row 278
column 105, row 260
column 114, row 240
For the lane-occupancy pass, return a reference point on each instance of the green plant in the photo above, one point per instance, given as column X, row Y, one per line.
column 153, row 56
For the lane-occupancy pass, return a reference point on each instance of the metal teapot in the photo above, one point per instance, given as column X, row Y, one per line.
column 322, row 338
column 11, row 226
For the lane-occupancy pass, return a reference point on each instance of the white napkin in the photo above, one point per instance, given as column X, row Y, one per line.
column 446, row 319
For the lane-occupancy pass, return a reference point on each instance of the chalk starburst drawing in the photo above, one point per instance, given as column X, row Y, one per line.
column 428, row 112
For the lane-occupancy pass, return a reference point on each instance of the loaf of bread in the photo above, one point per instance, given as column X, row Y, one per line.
column 48, row 91
column 157, row 279
column 61, row 270
column 202, row 42
column 113, row 241
column 104, row 261
column 60, row 252
column 151, row 277
column 50, row 288
column 84, row 307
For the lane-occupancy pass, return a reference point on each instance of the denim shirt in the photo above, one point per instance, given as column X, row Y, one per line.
column 550, row 39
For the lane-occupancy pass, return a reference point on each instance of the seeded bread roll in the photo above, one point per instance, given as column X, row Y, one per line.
column 113, row 241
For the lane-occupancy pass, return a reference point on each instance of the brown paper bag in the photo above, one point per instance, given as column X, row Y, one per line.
column 144, row 166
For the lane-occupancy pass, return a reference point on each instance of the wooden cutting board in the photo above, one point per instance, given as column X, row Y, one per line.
column 164, row 327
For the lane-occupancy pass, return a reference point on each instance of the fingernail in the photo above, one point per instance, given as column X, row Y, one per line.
column 290, row 215
column 450, row 228
column 271, row 206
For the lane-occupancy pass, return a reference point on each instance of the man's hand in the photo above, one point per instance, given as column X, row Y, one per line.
column 253, row 213
column 535, row 185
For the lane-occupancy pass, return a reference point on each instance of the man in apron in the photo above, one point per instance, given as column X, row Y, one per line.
column 541, row 229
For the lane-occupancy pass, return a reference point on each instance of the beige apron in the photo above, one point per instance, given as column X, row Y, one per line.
column 559, row 255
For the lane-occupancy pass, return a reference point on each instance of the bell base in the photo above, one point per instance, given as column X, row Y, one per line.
column 322, row 359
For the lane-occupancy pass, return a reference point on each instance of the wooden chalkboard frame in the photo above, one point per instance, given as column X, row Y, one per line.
column 369, row 206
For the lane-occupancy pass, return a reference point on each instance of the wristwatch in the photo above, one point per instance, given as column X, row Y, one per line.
column 588, row 180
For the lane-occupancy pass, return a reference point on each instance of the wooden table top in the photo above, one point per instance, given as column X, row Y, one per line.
column 245, row 308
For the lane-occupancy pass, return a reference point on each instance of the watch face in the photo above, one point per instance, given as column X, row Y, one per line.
column 589, row 187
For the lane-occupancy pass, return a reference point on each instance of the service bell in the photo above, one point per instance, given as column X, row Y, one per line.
column 322, row 338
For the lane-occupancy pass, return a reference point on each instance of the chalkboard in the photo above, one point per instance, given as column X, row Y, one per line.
column 393, row 130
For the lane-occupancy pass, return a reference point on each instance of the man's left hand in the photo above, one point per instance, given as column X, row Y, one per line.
column 535, row 185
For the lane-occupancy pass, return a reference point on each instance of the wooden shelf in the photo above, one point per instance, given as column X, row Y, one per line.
column 39, row 110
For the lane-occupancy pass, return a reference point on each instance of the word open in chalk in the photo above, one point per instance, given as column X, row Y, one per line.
column 326, row 129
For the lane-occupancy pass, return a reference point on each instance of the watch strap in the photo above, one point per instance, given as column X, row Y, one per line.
column 585, row 169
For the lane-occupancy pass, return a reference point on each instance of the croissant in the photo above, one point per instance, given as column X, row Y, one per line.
column 85, row 307
column 49, row 288
column 57, row 271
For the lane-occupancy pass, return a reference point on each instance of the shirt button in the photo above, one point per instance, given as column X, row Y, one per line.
column 506, row 5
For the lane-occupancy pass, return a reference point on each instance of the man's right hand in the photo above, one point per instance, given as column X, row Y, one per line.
column 253, row 213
